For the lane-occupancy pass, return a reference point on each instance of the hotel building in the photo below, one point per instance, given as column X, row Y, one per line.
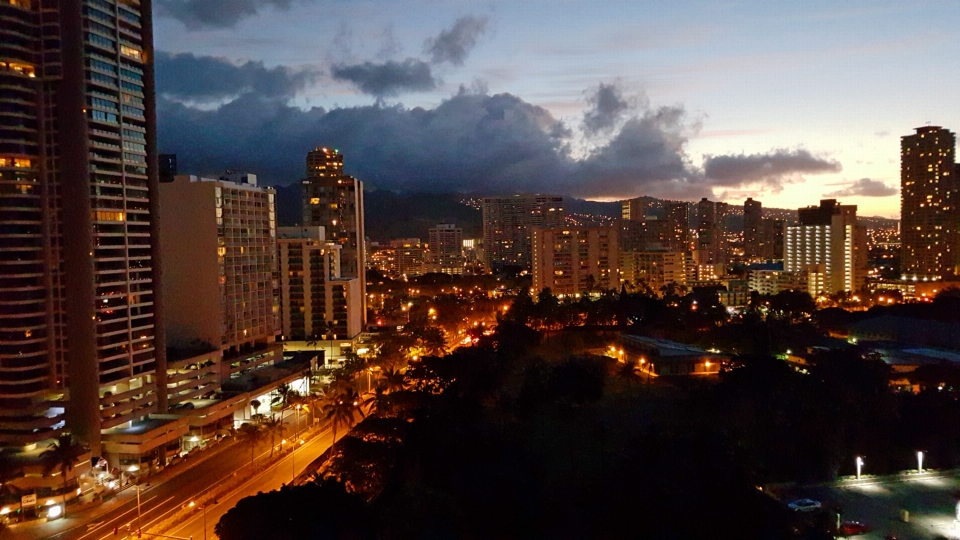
column 828, row 247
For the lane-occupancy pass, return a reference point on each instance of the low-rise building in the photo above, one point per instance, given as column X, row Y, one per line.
column 662, row 357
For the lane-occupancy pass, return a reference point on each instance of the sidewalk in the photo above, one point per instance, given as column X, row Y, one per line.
column 89, row 511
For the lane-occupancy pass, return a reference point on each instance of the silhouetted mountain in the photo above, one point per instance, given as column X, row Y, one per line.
column 404, row 215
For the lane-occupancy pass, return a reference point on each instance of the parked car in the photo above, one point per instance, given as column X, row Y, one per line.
column 804, row 505
column 853, row 528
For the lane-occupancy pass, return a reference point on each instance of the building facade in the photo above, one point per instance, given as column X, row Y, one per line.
column 445, row 249
column 315, row 301
column 220, row 251
column 508, row 223
column 710, row 245
column 334, row 201
column 752, row 229
column 929, row 205
column 78, row 174
column 829, row 247
column 578, row 260
column 652, row 269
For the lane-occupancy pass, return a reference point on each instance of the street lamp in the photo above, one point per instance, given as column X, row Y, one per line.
column 859, row 466
column 919, row 462
column 203, row 508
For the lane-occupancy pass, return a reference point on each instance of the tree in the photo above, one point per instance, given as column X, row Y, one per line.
column 255, row 405
column 285, row 397
column 393, row 380
column 377, row 403
column 341, row 411
column 9, row 469
column 251, row 435
column 62, row 454
column 275, row 427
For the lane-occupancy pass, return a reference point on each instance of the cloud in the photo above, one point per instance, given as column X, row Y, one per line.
column 200, row 14
column 865, row 187
column 389, row 78
column 607, row 105
column 882, row 134
column 208, row 79
column 470, row 142
column 771, row 170
column 453, row 45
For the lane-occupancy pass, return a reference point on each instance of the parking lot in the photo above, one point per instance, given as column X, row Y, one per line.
column 931, row 502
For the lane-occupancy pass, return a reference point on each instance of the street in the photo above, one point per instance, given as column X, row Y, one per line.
column 273, row 478
column 159, row 501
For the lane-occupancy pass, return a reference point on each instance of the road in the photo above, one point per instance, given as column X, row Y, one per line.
column 157, row 502
column 273, row 478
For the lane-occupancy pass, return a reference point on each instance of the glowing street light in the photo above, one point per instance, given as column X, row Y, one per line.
column 859, row 466
column 919, row 462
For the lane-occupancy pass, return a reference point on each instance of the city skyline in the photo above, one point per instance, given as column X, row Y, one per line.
column 820, row 93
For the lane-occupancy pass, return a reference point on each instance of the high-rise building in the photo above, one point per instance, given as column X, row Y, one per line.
column 929, row 204
column 710, row 242
column 641, row 235
column 771, row 247
column 314, row 300
column 678, row 216
column 334, row 201
column 575, row 260
column 752, row 229
column 220, row 278
column 652, row 269
column 81, row 338
column 508, row 223
column 829, row 247
column 410, row 256
column 634, row 209
column 445, row 249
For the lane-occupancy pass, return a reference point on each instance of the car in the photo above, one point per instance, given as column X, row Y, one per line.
column 804, row 505
column 853, row 528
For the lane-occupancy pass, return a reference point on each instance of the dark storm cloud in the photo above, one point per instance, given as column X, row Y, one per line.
column 470, row 142
column 771, row 169
column 607, row 105
column 199, row 14
column 389, row 78
column 205, row 78
column 455, row 44
column 865, row 187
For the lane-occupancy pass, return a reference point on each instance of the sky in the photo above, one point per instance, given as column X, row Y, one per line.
column 785, row 102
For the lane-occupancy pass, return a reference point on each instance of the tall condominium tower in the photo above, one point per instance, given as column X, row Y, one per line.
column 314, row 300
column 508, row 223
column 80, row 317
column 575, row 260
column 678, row 216
column 334, row 201
column 710, row 243
column 929, row 205
column 828, row 247
column 752, row 229
column 445, row 249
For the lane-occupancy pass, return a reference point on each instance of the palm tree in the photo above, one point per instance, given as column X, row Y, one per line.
column 255, row 405
column 393, row 380
column 252, row 435
column 275, row 427
column 377, row 403
column 62, row 454
column 341, row 411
